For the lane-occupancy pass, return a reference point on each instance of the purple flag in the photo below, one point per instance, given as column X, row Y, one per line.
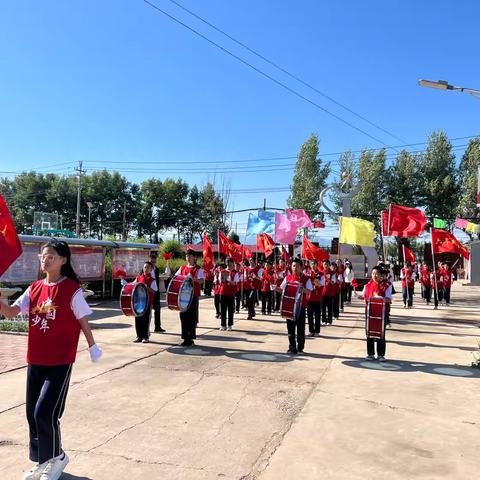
column 285, row 230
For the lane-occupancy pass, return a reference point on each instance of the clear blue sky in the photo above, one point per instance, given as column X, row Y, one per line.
column 116, row 81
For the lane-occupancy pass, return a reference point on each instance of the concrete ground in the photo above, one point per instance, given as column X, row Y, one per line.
column 236, row 406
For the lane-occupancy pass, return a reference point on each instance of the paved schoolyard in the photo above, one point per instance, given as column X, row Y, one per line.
column 235, row 406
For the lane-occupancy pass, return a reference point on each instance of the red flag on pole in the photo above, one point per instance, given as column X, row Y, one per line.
column 318, row 224
column 408, row 255
column 405, row 221
column 247, row 253
column 208, row 258
column 285, row 254
column 229, row 248
column 265, row 243
column 312, row 252
column 443, row 241
column 10, row 245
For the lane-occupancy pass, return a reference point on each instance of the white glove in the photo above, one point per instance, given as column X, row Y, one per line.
column 123, row 282
column 95, row 353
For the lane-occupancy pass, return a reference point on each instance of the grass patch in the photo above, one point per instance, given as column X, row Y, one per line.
column 13, row 326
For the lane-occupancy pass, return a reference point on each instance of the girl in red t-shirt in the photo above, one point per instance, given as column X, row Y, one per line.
column 56, row 309
column 142, row 323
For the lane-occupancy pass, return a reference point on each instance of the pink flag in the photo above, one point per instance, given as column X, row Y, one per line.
column 299, row 218
column 461, row 223
column 285, row 231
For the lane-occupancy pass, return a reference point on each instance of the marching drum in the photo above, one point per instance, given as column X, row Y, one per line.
column 291, row 302
column 180, row 293
column 134, row 299
column 375, row 324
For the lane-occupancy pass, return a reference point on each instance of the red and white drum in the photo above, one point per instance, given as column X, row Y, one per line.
column 134, row 299
column 180, row 293
column 291, row 302
column 375, row 324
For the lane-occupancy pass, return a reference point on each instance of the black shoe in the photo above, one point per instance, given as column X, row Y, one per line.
column 292, row 351
column 311, row 334
column 249, row 317
column 300, row 350
column 137, row 340
column 160, row 330
column 264, row 313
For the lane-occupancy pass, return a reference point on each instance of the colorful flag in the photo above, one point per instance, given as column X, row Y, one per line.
column 262, row 222
column 471, row 227
column 312, row 252
column 10, row 245
column 285, row 231
column 318, row 224
column 408, row 255
column 439, row 223
column 405, row 221
column 229, row 248
column 444, row 241
column 355, row 231
column 299, row 218
column 265, row 243
column 247, row 253
column 461, row 223
column 208, row 258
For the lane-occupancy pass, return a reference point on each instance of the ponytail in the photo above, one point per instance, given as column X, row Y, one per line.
column 63, row 250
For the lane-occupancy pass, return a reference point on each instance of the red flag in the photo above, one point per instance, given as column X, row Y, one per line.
column 247, row 253
column 408, row 255
column 167, row 256
column 285, row 254
column 405, row 221
column 10, row 245
column 385, row 223
column 318, row 224
column 312, row 252
column 444, row 241
column 208, row 258
column 265, row 243
column 229, row 248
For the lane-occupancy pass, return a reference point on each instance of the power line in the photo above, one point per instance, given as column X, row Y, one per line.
column 291, row 75
column 266, row 75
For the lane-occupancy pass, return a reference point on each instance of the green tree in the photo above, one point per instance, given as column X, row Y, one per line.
column 213, row 215
column 234, row 237
column 468, row 179
column 192, row 224
column 439, row 191
column 403, row 180
column 309, row 179
column 370, row 200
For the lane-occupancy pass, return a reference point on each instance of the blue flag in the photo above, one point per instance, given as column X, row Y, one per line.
column 262, row 222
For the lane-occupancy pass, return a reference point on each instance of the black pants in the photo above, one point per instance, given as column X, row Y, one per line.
column 216, row 301
column 407, row 293
column 327, row 309
column 189, row 321
column 207, row 289
column 439, row 298
column 348, row 292
column 250, row 301
column 47, row 389
column 238, row 300
column 314, row 311
column 296, row 327
column 267, row 302
column 278, row 300
column 342, row 298
column 446, row 295
column 227, row 306
column 142, row 325
column 336, row 305
column 156, row 308
column 427, row 293
column 381, row 346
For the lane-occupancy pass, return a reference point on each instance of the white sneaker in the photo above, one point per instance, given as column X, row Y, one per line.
column 381, row 359
column 55, row 467
column 35, row 472
column 370, row 357
column 229, row 328
column 222, row 328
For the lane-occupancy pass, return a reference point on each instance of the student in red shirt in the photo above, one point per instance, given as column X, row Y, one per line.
column 228, row 288
column 268, row 282
column 56, row 314
column 314, row 309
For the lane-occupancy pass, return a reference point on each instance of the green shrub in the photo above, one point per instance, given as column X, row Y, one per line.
column 174, row 247
column 13, row 326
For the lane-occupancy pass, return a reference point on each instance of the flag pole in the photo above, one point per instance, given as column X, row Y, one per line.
column 383, row 238
column 218, row 247
column 434, row 268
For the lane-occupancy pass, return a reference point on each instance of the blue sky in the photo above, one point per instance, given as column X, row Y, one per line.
column 118, row 85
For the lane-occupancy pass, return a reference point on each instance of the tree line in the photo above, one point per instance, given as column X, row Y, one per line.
column 120, row 209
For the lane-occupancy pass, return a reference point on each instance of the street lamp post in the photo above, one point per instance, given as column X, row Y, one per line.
column 444, row 85
column 90, row 206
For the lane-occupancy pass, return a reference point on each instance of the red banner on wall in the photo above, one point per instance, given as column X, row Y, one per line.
column 88, row 263
column 129, row 262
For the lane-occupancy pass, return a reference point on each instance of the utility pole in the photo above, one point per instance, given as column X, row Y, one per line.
column 79, row 188
column 124, row 226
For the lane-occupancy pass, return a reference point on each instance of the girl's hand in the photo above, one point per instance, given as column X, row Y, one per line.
column 95, row 353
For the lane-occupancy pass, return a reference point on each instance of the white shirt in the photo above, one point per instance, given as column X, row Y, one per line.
column 308, row 285
column 200, row 273
column 349, row 275
column 79, row 305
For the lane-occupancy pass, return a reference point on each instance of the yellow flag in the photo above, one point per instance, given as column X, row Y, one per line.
column 471, row 227
column 356, row 231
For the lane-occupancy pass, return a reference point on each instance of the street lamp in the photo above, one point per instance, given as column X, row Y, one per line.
column 444, row 85
column 90, row 206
